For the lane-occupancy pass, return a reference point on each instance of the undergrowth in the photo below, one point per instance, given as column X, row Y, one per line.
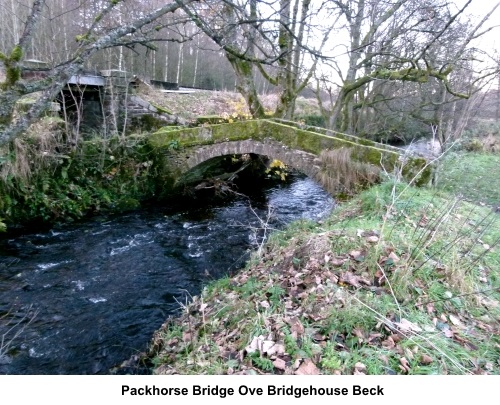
column 44, row 176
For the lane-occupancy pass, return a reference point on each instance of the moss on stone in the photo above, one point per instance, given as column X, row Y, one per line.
column 168, row 128
column 205, row 135
column 366, row 142
column 210, row 119
column 293, row 136
column 414, row 169
column 307, row 142
column 162, row 110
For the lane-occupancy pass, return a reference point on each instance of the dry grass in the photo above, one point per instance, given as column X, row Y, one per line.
column 341, row 175
column 18, row 166
column 491, row 143
column 36, row 149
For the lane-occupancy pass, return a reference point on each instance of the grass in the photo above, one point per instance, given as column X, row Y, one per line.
column 398, row 280
column 473, row 175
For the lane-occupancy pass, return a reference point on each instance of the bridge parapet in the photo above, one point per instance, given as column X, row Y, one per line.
column 341, row 135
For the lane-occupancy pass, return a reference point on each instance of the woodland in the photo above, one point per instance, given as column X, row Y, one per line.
column 382, row 69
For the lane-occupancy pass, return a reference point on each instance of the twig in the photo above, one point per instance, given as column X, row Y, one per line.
column 392, row 291
column 458, row 296
column 6, row 340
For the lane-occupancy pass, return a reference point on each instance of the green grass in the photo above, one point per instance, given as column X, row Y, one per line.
column 475, row 176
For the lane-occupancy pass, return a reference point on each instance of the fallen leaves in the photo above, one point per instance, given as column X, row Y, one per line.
column 294, row 301
column 264, row 346
column 404, row 365
column 454, row 320
column 407, row 326
column 307, row 367
column 357, row 255
column 264, row 304
column 350, row 278
column 359, row 369
column 296, row 327
column 280, row 364
column 372, row 239
column 426, row 360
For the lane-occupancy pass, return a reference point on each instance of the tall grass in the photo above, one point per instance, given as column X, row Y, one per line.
column 341, row 175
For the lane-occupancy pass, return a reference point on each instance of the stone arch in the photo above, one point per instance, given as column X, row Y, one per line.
column 305, row 162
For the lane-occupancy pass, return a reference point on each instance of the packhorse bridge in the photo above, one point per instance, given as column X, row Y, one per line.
column 301, row 147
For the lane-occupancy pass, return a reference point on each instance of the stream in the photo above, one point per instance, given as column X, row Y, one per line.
column 82, row 298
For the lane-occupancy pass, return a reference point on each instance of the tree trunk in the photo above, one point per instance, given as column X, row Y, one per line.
column 196, row 57
column 179, row 62
column 246, row 85
column 166, row 62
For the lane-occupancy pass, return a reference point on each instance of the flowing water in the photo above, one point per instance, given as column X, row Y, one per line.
column 82, row 298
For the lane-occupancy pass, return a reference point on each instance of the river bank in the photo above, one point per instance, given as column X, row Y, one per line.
column 397, row 281
column 80, row 298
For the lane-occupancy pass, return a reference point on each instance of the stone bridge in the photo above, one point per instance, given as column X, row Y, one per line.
column 298, row 146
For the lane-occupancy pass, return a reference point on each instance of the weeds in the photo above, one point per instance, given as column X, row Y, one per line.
column 341, row 175
column 44, row 178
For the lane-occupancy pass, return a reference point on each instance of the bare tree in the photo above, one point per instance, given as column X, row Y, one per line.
column 277, row 38
column 396, row 49
column 402, row 41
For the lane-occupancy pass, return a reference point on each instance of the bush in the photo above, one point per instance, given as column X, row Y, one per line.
column 473, row 145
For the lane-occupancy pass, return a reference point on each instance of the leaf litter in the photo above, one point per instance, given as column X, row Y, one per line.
column 313, row 307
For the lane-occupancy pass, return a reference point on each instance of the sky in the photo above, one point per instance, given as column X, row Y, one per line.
column 479, row 8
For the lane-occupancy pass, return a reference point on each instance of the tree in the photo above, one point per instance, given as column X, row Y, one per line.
column 392, row 43
column 275, row 38
column 395, row 49
column 108, row 24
